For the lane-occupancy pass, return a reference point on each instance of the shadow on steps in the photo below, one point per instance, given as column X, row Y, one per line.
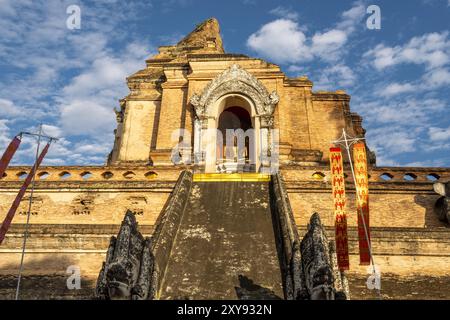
column 248, row 290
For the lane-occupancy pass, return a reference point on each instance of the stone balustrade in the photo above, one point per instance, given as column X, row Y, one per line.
column 376, row 174
column 147, row 173
column 92, row 173
column 408, row 174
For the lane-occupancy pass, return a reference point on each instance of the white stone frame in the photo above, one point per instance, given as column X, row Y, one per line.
column 208, row 106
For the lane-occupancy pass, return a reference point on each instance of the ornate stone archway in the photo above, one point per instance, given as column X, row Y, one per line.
column 233, row 81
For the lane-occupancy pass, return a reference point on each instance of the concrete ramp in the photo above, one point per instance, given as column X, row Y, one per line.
column 225, row 246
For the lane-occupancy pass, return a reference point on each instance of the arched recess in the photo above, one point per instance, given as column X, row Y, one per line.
column 243, row 110
column 233, row 87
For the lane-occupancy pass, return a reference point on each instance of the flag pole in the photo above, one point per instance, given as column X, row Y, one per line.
column 357, row 195
column 369, row 244
column 28, row 214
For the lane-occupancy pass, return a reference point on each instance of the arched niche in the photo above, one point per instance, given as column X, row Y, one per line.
column 235, row 87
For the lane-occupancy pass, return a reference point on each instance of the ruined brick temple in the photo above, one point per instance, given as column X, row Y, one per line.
column 211, row 227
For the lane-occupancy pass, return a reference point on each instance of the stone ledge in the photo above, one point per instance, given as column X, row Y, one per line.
column 387, row 241
column 293, row 186
column 110, row 229
column 400, row 241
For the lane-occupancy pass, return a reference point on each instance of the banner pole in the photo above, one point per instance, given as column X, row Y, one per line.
column 360, row 211
column 28, row 214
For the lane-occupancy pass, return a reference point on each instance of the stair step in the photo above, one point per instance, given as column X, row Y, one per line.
column 236, row 177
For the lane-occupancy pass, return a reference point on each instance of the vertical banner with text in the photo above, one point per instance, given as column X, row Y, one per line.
column 362, row 201
column 339, row 200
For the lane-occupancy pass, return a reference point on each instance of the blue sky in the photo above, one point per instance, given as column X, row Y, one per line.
column 399, row 76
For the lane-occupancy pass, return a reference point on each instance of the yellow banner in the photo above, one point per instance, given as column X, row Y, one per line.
column 362, row 200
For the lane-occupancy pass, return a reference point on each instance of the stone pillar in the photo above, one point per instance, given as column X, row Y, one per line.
column 268, row 142
column 209, row 141
column 173, row 113
column 198, row 152
column 136, row 131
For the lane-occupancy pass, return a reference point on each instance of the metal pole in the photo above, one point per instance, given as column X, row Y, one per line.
column 360, row 211
column 28, row 214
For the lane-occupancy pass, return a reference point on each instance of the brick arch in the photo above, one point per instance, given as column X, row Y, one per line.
column 236, row 80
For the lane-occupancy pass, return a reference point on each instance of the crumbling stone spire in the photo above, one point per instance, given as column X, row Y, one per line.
column 205, row 35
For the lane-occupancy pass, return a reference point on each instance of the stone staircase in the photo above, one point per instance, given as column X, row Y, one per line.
column 225, row 246
column 223, row 236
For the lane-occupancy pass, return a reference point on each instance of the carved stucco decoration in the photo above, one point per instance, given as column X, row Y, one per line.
column 120, row 113
column 237, row 80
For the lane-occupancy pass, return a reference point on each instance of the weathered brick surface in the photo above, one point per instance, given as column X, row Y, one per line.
column 418, row 287
column 139, row 127
column 88, row 206
column 386, row 209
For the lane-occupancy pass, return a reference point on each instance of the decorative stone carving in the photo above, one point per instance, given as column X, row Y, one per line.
column 271, row 101
column 310, row 270
column 129, row 269
column 235, row 80
column 442, row 205
column 84, row 204
column 120, row 113
column 267, row 122
column 323, row 280
column 37, row 203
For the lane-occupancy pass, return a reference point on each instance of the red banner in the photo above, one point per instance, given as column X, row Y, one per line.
column 362, row 201
column 338, row 189
column 9, row 153
column 12, row 211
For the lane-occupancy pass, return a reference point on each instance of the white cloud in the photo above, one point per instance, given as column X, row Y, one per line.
column 437, row 78
column 7, row 8
column 62, row 151
column 431, row 80
column 70, row 80
column 383, row 161
column 384, row 56
column 85, row 147
column 431, row 50
column 439, row 134
column 285, row 13
column 352, row 17
column 393, row 89
column 392, row 141
column 87, row 101
column 404, row 112
column 5, row 137
column 9, row 110
column 284, row 40
column 294, row 68
column 104, row 72
column 399, row 126
column 328, row 45
column 85, row 117
column 280, row 40
column 399, row 112
column 50, row 130
column 426, row 163
column 337, row 76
